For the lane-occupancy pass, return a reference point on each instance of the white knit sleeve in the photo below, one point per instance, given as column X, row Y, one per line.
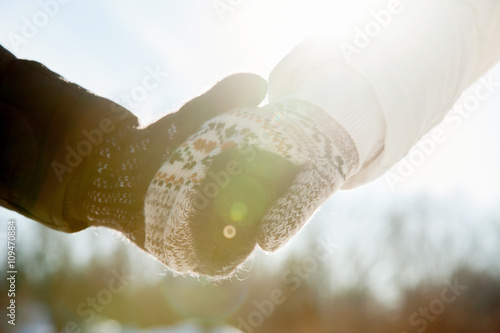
column 396, row 77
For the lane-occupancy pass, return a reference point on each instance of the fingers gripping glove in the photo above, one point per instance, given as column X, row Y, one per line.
column 249, row 176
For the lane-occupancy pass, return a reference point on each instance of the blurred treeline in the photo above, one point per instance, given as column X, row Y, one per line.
column 396, row 284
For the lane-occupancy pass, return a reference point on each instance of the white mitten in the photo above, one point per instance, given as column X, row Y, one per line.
column 249, row 176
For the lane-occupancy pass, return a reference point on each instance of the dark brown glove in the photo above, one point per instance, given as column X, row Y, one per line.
column 71, row 159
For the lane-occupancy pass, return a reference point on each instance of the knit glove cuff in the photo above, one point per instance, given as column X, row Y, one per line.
column 299, row 132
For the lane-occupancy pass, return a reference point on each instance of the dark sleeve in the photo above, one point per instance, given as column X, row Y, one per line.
column 44, row 120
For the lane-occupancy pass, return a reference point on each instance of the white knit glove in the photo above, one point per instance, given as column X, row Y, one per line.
column 249, row 176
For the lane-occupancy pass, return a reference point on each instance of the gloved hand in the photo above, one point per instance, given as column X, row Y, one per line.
column 71, row 159
column 198, row 189
column 248, row 176
column 110, row 186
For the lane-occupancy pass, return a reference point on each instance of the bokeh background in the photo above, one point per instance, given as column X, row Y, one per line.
column 396, row 250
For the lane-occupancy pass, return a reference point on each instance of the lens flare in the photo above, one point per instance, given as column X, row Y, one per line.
column 238, row 211
column 278, row 117
column 242, row 201
column 229, row 231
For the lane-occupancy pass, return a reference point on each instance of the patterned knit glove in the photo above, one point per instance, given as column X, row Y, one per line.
column 249, row 176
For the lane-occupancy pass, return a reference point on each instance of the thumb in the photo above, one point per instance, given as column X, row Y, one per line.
column 235, row 91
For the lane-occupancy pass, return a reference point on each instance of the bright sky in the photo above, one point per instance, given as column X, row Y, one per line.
column 108, row 47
